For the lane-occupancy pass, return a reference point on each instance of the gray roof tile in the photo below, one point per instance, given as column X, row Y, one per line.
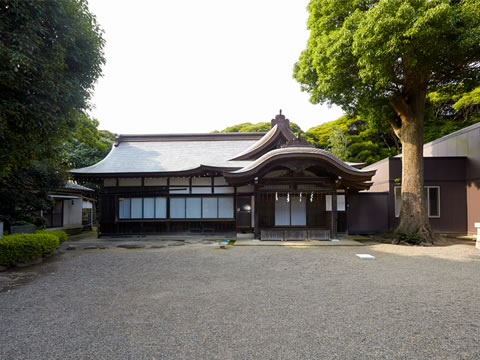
column 153, row 155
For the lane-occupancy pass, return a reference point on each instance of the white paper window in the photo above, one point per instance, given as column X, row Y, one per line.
column 223, row 190
column 282, row 211
column 148, row 208
column 298, row 212
column 225, row 207
column 194, row 208
column 179, row 190
column 160, row 208
column 124, row 209
column 201, row 190
column 328, row 202
column 177, row 208
column 341, row 206
column 136, row 208
column 209, row 208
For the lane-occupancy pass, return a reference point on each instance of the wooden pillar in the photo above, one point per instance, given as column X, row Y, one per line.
column 256, row 230
column 333, row 231
column 116, row 205
column 346, row 211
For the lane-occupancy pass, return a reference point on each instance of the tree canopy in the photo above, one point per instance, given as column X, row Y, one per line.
column 362, row 142
column 87, row 144
column 380, row 59
column 258, row 127
column 51, row 54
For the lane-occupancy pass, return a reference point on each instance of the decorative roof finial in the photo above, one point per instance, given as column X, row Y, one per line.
column 280, row 120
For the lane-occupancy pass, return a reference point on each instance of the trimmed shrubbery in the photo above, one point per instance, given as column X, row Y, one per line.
column 22, row 248
column 61, row 235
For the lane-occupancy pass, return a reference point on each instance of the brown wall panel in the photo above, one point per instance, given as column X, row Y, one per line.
column 367, row 213
column 473, row 205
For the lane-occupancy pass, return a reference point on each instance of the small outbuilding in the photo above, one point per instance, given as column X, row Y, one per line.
column 72, row 210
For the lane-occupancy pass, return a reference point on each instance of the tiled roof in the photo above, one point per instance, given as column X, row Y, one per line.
column 70, row 185
column 172, row 153
column 300, row 151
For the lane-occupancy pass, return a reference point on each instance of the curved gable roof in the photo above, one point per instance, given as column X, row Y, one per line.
column 279, row 133
column 359, row 177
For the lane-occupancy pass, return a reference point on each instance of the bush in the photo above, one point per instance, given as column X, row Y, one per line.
column 410, row 238
column 21, row 248
column 61, row 235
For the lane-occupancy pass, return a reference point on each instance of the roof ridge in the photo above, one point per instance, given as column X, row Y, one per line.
column 188, row 137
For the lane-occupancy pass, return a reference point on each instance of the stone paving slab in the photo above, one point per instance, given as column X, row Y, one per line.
column 306, row 243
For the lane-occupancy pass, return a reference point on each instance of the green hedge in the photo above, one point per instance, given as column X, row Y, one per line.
column 21, row 248
column 61, row 235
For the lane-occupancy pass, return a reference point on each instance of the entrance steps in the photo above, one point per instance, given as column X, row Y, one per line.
column 241, row 236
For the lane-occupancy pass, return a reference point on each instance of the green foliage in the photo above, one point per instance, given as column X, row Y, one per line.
column 338, row 143
column 21, row 248
column 25, row 191
column 258, row 127
column 439, row 127
column 51, row 53
column 61, row 235
column 365, row 55
column 87, row 145
column 364, row 144
column 410, row 238
column 468, row 99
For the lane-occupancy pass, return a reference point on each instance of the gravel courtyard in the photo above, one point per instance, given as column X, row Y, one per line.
column 201, row 302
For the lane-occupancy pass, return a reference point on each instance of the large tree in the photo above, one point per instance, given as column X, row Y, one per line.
column 380, row 59
column 51, row 53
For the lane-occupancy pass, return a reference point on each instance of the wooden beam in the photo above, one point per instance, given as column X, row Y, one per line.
column 333, row 231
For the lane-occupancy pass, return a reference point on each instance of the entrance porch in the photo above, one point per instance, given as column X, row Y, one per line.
column 309, row 214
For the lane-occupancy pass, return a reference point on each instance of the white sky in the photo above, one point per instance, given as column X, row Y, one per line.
column 198, row 66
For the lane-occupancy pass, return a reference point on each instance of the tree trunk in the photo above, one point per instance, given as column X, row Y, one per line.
column 413, row 222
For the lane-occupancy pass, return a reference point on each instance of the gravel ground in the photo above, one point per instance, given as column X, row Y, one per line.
column 194, row 302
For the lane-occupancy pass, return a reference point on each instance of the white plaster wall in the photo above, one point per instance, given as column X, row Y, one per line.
column 72, row 213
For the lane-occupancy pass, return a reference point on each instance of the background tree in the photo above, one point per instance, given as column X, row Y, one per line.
column 258, row 127
column 365, row 144
column 338, row 143
column 380, row 59
column 86, row 144
column 51, row 53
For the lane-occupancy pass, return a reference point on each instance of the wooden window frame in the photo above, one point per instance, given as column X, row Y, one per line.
column 427, row 201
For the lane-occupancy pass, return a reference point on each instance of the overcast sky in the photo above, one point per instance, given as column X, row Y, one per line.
column 198, row 66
